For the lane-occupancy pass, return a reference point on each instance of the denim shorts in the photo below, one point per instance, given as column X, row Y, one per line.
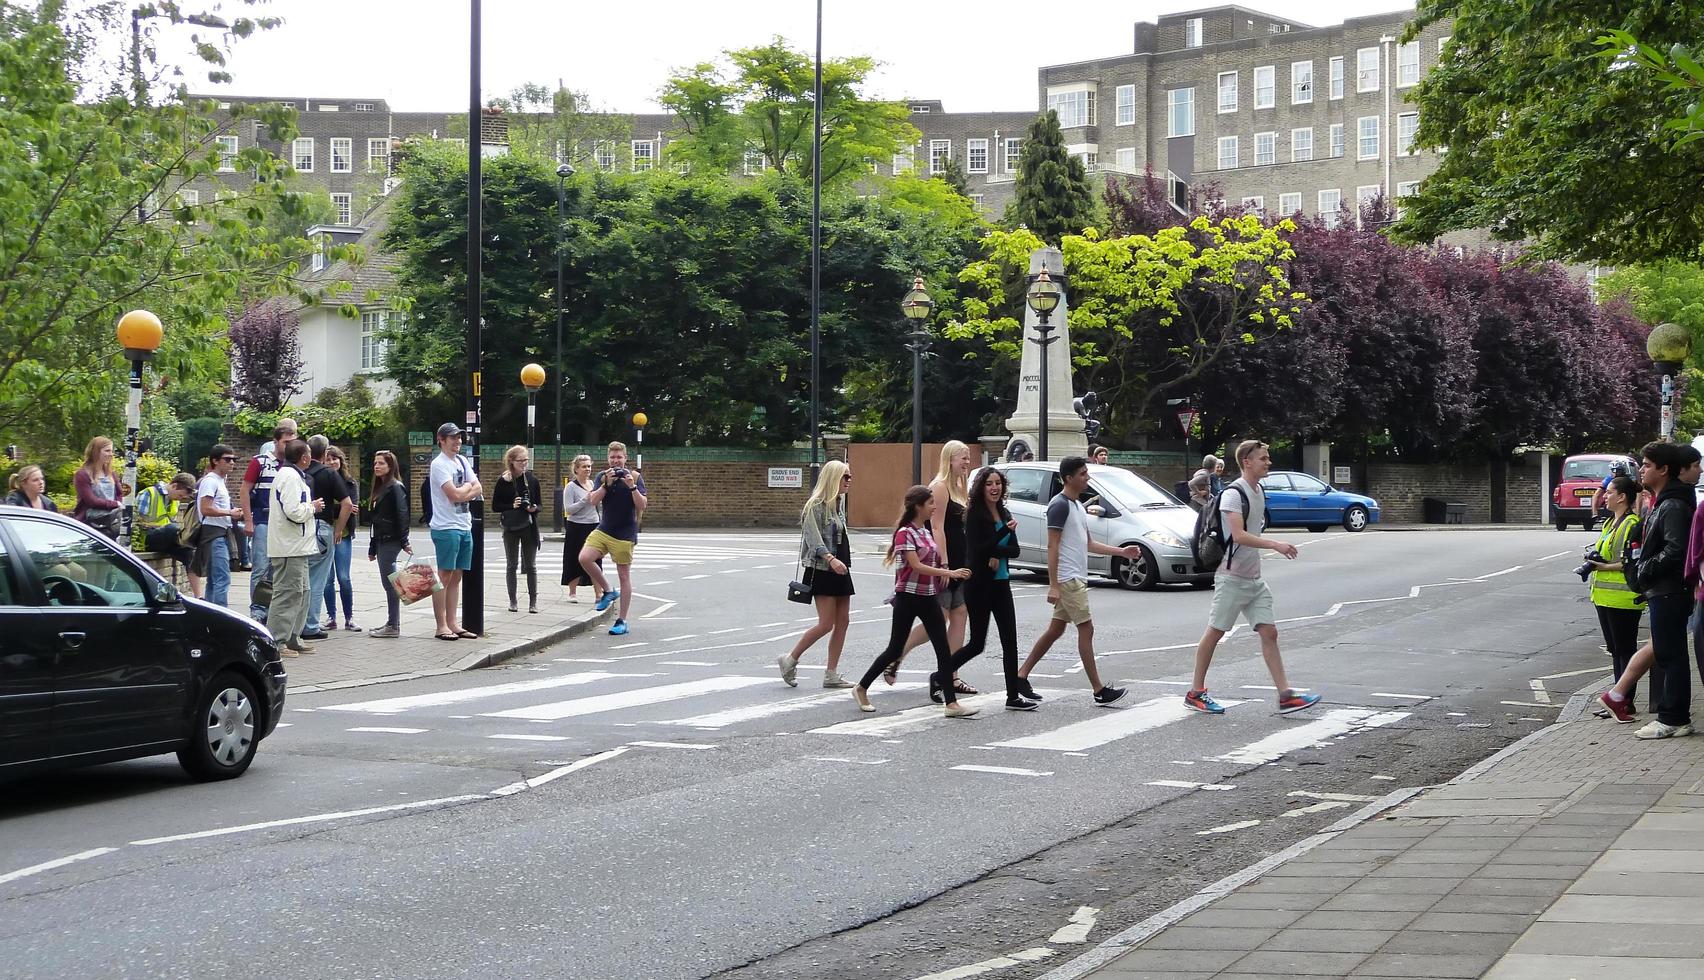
column 455, row 549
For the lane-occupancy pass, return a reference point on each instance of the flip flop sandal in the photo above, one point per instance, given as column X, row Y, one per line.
column 467, row 634
column 891, row 674
column 960, row 687
column 447, row 636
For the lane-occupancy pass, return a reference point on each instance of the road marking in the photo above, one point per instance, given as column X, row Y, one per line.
column 390, row 731
column 554, row 774
column 532, row 738
column 284, row 724
column 1316, row 808
column 581, row 660
column 36, row 869
column 1575, row 673
column 1539, row 694
column 1414, row 697
column 1384, row 779
column 1557, row 555
column 629, row 646
column 653, row 614
column 1082, row 921
column 1227, row 828
column 731, row 629
column 391, row 706
column 884, row 725
column 1338, row 721
column 557, row 710
column 1532, row 704
column 757, row 712
column 1186, row 784
column 686, row 663
column 1167, row 683
column 1001, row 770
column 855, row 762
column 764, row 626
column 672, row 745
column 693, row 578
column 1109, row 727
column 989, row 966
column 1336, row 797
column 312, row 818
column 683, row 636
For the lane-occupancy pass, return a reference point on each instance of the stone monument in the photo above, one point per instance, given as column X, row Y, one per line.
column 1065, row 430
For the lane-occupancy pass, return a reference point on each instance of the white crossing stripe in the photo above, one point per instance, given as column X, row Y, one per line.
column 882, row 726
column 757, row 712
column 557, row 710
column 389, row 731
column 532, row 738
column 1109, row 727
column 1001, row 770
column 1227, row 828
column 1338, row 721
column 672, row 745
column 388, row 706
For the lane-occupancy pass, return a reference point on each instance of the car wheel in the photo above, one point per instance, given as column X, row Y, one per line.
column 1137, row 573
column 1355, row 518
column 226, row 730
column 1319, row 528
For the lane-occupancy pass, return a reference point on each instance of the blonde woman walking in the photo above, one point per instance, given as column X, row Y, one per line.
column 951, row 490
column 826, row 553
column 581, row 519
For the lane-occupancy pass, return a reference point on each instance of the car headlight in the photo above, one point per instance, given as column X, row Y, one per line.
column 1167, row 539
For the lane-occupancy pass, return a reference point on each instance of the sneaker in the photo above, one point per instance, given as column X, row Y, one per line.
column 956, row 710
column 1657, row 729
column 1292, row 701
column 350, row 627
column 606, row 600
column 513, row 607
column 532, row 607
column 1109, row 694
column 331, row 626
column 386, row 632
column 1026, row 691
column 789, row 670
column 619, row 629
column 1200, row 701
column 1621, row 708
column 1020, row 704
column 834, row 680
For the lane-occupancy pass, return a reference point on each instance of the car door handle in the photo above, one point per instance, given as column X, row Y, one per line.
column 72, row 641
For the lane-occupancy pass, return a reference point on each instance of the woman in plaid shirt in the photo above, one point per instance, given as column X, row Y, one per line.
column 916, row 580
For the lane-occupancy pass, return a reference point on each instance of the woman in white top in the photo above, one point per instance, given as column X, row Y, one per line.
column 826, row 554
column 581, row 519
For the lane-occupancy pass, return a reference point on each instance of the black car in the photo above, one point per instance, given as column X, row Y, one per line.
column 101, row 659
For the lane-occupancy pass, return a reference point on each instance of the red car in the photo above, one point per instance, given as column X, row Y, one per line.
column 1582, row 477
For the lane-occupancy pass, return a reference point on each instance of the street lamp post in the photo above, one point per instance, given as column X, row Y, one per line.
column 532, row 379
column 1043, row 298
column 563, row 172
column 640, row 420
column 1668, row 346
column 917, row 306
column 139, row 333
column 473, row 584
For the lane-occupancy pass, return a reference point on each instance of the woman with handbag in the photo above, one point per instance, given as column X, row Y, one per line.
column 100, row 493
column 343, row 551
column 389, row 536
column 581, row 519
column 826, row 554
column 993, row 541
column 516, row 504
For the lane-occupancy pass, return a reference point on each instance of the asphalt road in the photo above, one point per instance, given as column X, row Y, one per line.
column 660, row 806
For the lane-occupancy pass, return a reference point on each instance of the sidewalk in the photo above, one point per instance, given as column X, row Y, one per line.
column 1577, row 852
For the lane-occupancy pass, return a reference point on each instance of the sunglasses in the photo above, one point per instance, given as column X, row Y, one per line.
column 227, row 459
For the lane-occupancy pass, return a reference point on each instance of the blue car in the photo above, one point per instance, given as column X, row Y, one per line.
column 1299, row 500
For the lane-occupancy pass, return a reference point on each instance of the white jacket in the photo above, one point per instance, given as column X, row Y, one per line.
column 290, row 529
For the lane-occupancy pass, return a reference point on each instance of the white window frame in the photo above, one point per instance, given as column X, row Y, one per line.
column 1176, row 99
column 1301, row 82
column 297, row 156
column 381, row 143
column 344, row 205
column 348, row 147
column 1013, row 151
column 1124, row 105
column 1228, row 150
column 754, row 162
column 1257, row 203
column 646, row 160
column 1335, row 74
column 903, row 162
column 1407, row 188
column 1177, row 189
column 1367, row 77
column 1192, row 30
column 1332, row 216
column 1335, row 141
column 1289, row 204
column 1408, row 64
column 1441, row 42
column 1124, row 160
column 603, row 155
column 1409, row 121
column 1365, row 193
column 1225, row 105
column 363, row 107
column 189, row 197
column 976, row 200
column 1269, row 156
column 971, row 149
column 373, row 348
column 229, row 147
column 940, row 154
column 1266, row 96
column 1081, row 99
column 1362, row 126
column 1301, row 144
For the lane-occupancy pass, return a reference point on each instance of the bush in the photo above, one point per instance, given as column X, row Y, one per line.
column 199, row 435
column 62, row 478
column 152, row 469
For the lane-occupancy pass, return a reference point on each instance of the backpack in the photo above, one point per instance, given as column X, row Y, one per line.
column 189, row 533
column 426, row 497
column 1210, row 544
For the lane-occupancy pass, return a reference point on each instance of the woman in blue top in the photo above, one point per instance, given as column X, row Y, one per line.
column 992, row 538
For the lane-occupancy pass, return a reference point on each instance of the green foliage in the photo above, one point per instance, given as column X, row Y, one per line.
column 1662, row 292
column 543, row 119
column 161, row 427
column 1678, row 69
column 152, row 469
column 339, row 423
column 1051, row 196
column 199, row 435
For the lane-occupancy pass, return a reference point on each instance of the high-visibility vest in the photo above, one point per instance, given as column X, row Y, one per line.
column 1609, row 589
column 155, row 507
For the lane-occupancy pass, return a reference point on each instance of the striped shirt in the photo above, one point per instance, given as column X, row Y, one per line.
column 905, row 579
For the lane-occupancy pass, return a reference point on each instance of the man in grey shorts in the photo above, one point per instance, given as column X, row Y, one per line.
column 1238, row 589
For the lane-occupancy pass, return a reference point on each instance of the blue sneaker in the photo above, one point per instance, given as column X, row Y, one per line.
column 607, row 599
column 619, row 629
column 1293, row 701
column 1199, row 701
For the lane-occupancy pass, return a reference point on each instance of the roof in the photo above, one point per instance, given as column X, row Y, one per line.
column 377, row 272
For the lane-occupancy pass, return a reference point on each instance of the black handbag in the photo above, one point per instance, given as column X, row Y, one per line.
column 799, row 590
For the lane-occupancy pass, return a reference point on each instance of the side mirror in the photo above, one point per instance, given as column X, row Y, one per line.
column 165, row 594
column 1095, row 510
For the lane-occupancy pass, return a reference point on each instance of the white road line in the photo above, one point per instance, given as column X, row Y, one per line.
column 1338, row 721
column 1227, row 828
column 764, row 626
column 883, row 726
column 989, row 966
column 1411, row 697
column 312, row 818
column 1532, row 704
column 627, row 646
column 1575, row 673
column 1336, row 797
column 1539, row 693
column 36, row 869
column 532, row 738
column 390, row 706
column 758, row 712
column 1109, row 727
column 665, row 607
column 1316, row 808
column 581, row 660
column 1557, row 555
column 1186, row 784
column 692, row 578
column 672, row 745
column 683, row 636
column 686, row 663
column 855, row 762
column 1001, row 770
column 557, row 773
column 557, row 710
column 283, row 724
column 1082, row 921
column 390, row 731
column 731, row 629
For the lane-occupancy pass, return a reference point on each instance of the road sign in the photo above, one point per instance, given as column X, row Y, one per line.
column 786, row 477
column 1186, row 420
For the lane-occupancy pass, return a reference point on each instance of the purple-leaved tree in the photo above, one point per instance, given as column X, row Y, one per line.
column 266, row 357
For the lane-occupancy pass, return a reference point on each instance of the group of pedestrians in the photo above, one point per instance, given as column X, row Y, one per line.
column 951, row 551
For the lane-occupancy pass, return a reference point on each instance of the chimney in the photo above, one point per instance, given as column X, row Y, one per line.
column 493, row 132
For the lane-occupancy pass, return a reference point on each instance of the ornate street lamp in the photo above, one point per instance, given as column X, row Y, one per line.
column 1043, row 298
column 139, row 333
column 1668, row 346
column 532, row 379
column 917, row 306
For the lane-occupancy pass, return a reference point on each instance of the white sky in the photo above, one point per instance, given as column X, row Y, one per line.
column 973, row 56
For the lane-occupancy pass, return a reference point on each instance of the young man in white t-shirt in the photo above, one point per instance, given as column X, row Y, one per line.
column 213, row 498
column 1068, row 549
column 1238, row 589
column 453, row 487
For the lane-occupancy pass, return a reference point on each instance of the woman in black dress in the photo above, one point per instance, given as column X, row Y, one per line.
column 826, row 554
column 581, row 518
column 389, row 519
column 517, row 506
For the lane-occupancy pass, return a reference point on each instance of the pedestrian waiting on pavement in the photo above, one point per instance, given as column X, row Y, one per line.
column 619, row 494
column 580, row 519
column 389, row 534
column 328, row 486
column 452, row 488
column 339, row 581
column 1068, row 548
column 517, row 505
column 213, row 498
column 992, row 536
column 1238, row 589
column 291, row 545
column 1098, row 455
column 1659, row 574
column 952, row 494
column 29, row 489
column 1618, row 610
column 157, row 518
column 257, row 490
column 825, row 550
column 100, row 493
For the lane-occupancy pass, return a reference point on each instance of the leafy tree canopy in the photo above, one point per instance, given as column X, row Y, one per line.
column 1051, row 194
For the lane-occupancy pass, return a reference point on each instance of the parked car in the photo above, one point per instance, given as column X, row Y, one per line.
column 1123, row 508
column 1582, row 477
column 1299, row 500
column 103, row 660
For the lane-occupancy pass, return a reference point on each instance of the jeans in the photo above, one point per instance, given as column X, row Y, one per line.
column 256, row 612
column 289, row 599
column 982, row 599
column 1668, row 642
column 906, row 608
column 339, row 581
column 218, row 569
column 522, row 545
column 319, row 572
column 243, row 546
column 388, row 552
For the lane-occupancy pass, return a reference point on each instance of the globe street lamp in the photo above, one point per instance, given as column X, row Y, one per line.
column 1668, row 346
column 1043, row 298
column 917, row 306
column 139, row 333
column 640, row 420
column 532, row 379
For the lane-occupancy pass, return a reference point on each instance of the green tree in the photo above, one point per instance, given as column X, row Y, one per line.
column 762, row 101
column 1550, row 145
column 1678, row 69
column 1668, row 292
column 545, row 120
column 1051, row 194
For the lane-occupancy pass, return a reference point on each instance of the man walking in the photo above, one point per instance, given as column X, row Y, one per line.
column 213, row 498
column 1068, row 550
column 621, row 493
column 1661, row 579
column 257, row 491
column 453, row 486
column 325, row 484
column 291, row 544
column 1238, row 588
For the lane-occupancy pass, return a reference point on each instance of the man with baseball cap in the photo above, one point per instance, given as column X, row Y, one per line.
column 453, row 485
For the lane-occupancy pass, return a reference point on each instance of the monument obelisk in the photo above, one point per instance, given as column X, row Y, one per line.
column 1065, row 430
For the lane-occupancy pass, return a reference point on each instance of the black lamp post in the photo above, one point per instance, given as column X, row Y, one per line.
column 473, row 584
column 917, row 306
column 563, row 172
column 1043, row 298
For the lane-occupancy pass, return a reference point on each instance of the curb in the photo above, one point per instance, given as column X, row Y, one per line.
column 522, row 647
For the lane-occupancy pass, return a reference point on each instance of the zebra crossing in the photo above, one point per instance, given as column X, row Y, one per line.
column 663, row 552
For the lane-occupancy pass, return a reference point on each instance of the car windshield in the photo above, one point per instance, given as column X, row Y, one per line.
column 1586, row 469
column 1133, row 490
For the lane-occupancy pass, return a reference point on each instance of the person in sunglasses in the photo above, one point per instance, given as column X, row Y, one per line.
column 213, row 497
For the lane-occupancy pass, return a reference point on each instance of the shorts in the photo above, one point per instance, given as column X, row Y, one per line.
column 951, row 598
column 1233, row 595
column 1073, row 604
column 619, row 551
column 455, row 549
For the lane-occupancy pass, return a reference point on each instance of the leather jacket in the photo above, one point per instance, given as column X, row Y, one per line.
column 1662, row 552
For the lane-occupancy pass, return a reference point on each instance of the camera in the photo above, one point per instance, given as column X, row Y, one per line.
column 1585, row 570
column 618, row 474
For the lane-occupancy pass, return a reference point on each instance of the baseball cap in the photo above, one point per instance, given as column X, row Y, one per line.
column 448, row 429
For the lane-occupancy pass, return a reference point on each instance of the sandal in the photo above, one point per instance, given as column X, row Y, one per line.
column 467, row 634
column 448, row 636
column 891, row 674
column 960, row 687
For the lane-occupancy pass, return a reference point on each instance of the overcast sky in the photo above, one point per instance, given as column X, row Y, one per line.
column 978, row 56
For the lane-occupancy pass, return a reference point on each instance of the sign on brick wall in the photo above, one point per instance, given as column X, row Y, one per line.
column 786, row 477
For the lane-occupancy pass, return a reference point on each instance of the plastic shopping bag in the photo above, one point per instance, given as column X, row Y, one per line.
column 415, row 581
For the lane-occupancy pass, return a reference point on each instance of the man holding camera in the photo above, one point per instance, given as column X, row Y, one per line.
column 620, row 492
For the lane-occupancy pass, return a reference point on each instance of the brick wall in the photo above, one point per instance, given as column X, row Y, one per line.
column 1400, row 487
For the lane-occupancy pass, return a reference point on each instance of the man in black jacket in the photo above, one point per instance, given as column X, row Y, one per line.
column 1661, row 578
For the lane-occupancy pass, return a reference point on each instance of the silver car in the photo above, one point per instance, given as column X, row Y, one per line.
column 1123, row 508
